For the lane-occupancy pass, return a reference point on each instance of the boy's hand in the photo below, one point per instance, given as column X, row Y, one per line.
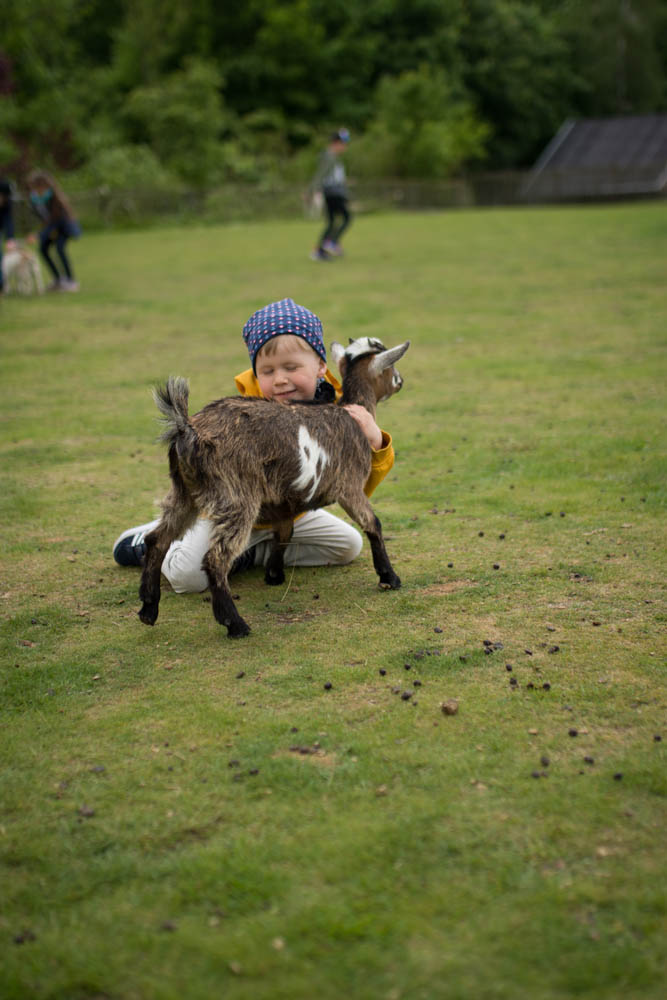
column 371, row 430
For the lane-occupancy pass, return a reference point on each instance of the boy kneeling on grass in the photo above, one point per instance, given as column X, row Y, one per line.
column 286, row 347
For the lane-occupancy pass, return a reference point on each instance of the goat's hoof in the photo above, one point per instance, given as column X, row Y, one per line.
column 392, row 582
column 273, row 578
column 238, row 630
column 148, row 614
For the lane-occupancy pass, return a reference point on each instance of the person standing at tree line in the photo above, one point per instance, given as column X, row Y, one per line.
column 6, row 220
column 330, row 180
column 50, row 204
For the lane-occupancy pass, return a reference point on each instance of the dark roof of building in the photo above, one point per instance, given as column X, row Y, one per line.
column 621, row 155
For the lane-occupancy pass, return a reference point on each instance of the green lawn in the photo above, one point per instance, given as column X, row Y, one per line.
column 164, row 834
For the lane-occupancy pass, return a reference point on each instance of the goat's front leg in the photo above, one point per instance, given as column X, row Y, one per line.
column 275, row 566
column 362, row 512
column 385, row 571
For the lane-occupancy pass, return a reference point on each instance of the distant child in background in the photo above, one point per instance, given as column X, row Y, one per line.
column 6, row 220
column 50, row 204
column 330, row 180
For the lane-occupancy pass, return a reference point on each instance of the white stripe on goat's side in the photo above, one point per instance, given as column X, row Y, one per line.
column 312, row 460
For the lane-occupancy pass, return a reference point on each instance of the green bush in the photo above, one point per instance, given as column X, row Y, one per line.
column 183, row 117
column 124, row 167
column 421, row 128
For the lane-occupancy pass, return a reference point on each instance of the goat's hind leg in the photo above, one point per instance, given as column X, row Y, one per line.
column 230, row 538
column 175, row 521
column 362, row 512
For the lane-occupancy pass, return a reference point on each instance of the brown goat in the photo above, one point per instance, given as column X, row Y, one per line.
column 243, row 461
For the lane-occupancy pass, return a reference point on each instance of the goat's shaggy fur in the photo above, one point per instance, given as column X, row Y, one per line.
column 21, row 272
column 242, row 461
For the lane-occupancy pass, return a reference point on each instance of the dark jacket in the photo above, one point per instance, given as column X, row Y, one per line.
column 6, row 212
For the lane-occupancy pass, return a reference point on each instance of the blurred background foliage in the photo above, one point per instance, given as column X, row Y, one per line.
column 161, row 94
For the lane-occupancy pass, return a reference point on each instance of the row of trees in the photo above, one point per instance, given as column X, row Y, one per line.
column 157, row 91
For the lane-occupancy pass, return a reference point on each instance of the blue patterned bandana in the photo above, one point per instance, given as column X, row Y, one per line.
column 283, row 317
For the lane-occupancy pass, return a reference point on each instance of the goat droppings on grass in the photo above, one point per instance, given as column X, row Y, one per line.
column 24, row 936
column 328, row 685
column 450, row 707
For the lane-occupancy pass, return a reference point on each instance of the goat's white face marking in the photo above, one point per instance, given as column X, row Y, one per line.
column 364, row 345
column 312, row 460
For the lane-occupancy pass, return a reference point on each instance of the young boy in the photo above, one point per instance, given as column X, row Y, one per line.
column 286, row 348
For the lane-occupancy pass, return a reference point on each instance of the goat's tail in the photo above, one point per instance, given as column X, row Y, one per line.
column 172, row 402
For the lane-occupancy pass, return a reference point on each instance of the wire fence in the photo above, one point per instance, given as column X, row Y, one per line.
column 111, row 208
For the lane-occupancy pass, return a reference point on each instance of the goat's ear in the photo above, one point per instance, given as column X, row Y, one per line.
column 337, row 352
column 386, row 359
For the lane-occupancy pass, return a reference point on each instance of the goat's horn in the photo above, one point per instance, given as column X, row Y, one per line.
column 387, row 358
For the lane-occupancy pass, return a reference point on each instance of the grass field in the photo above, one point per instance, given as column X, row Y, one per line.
column 189, row 817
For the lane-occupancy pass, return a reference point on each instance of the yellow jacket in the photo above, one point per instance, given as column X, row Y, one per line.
column 382, row 460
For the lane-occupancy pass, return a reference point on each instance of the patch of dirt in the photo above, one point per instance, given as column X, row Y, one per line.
column 319, row 757
column 447, row 588
column 291, row 617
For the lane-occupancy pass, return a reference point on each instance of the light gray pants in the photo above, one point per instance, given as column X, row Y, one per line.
column 319, row 539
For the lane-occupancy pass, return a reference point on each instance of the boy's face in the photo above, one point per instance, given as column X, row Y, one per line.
column 289, row 371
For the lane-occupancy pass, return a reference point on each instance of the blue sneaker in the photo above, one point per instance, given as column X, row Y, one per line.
column 129, row 549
